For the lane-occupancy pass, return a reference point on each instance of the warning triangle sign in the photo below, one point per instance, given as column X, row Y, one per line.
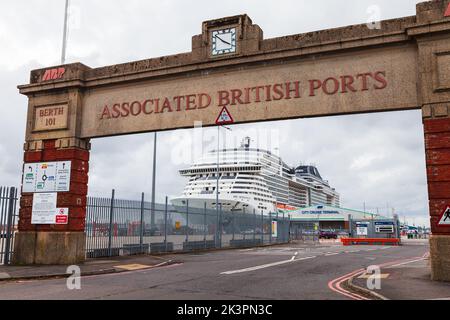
column 447, row 12
column 444, row 221
column 224, row 117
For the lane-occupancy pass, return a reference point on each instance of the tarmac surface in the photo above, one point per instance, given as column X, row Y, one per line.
column 287, row 272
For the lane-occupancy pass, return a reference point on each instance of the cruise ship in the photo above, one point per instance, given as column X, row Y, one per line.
column 253, row 181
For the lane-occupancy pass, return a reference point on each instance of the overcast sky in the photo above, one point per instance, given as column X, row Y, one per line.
column 377, row 159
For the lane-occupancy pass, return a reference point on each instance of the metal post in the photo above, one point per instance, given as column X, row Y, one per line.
column 187, row 220
column 217, row 186
column 278, row 229
column 244, row 217
column 233, row 225
column 152, row 215
column 64, row 44
column 262, row 227
column 11, row 207
column 254, row 226
column 270, row 228
column 350, row 226
column 220, row 227
column 165, row 222
column 141, row 236
column 205, row 225
column 111, row 213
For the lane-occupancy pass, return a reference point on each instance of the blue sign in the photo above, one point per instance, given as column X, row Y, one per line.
column 320, row 212
column 384, row 223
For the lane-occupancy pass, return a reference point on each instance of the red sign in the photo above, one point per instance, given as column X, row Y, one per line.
column 53, row 74
column 224, row 117
column 447, row 12
column 62, row 217
column 337, row 85
column 444, row 220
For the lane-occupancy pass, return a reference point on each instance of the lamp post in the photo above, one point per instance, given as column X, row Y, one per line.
column 64, row 43
column 218, row 236
column 152, row 216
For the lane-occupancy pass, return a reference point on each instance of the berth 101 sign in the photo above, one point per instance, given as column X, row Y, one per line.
column 46, row 177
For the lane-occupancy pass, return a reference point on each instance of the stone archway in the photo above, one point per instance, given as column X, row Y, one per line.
column 403, row 65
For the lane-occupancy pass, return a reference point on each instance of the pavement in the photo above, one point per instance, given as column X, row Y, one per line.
column 90, row 267
column 288, row 272
column 407, row 279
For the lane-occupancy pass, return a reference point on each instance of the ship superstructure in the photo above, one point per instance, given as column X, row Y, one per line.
column 253, row 180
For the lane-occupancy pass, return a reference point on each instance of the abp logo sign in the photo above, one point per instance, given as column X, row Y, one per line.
column 53, row 74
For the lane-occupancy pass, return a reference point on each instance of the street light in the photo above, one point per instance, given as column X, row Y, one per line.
column 64, row 44
column 152, row 215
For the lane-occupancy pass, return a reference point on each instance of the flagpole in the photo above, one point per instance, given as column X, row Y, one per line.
column 64, row 44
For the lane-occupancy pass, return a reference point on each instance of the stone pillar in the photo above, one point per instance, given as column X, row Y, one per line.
column 437, row 145
column 433, row 43
column 56, row 244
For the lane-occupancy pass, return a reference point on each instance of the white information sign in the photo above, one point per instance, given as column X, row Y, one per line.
column 362, row 230
column 44, row 208
column 46, row 177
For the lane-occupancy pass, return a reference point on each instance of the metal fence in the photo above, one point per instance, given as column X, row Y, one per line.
column 307, row 231
column 116, row 227
column 8, row 218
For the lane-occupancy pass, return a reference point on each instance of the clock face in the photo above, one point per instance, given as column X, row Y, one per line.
column 223, row 41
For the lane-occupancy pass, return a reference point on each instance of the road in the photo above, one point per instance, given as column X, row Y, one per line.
column 283, row 272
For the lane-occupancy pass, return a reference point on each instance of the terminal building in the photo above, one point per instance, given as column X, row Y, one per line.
column 331, row 217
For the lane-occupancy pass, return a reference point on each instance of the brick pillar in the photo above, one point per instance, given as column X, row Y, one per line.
column 437, row 145
column 55, row 244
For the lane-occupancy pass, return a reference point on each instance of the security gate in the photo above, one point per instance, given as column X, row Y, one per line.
column 8, row 204
column 304, row 231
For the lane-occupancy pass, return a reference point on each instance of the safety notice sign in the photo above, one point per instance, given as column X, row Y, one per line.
column 62, row 216
column 44, row 208
column 362, row 229
column 46, row 177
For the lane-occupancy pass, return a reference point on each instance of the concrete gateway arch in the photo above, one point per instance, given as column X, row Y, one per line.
column 355, row 69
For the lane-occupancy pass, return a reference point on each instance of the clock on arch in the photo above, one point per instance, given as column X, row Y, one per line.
column 223, row 41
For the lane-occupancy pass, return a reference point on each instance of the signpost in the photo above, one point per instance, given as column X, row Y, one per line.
column 44, row 208
column 45, row 180
column 46, row 177
column 362, row 229
column 384, row 227
column 62, row 216
column 224, row 117
column 274, row 229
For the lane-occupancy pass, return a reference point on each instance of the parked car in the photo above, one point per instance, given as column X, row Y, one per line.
column 328, row 234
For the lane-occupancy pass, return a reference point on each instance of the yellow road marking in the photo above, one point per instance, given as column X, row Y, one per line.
column 132, row 267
